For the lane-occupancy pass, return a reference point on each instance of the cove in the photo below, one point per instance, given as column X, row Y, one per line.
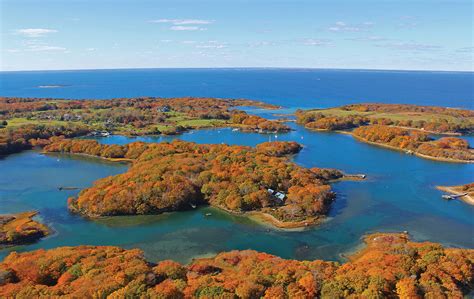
column 398, row 195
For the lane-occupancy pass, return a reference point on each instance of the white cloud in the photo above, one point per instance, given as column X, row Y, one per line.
column 41, row 48
column 187, row 28
column 183, row 21
column 38, row 45
column 261, row 44
column 410, row 46
column 317, row 42
column 35, row 32
column 373, row 38
column 184, row 24
column 211, row 46
column 90, row 49
column 344, row 27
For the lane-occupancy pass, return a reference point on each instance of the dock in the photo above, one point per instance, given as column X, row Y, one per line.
column 453, row 196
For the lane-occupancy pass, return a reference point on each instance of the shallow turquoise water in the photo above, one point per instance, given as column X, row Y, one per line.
column 398, row 195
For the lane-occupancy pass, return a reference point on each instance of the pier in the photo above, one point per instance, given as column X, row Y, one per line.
column 453, row 196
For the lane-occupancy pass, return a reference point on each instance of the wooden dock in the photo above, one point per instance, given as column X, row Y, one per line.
column 453, row 196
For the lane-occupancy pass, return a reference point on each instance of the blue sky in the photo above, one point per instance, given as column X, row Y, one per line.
column 376, row 34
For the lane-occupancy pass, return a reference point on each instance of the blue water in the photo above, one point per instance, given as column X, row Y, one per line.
column 286, row 87
column 398, row 195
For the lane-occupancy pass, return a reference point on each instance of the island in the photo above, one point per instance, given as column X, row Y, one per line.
column 463, row 192
column 18, row 229
column 30, row 122
column 400, row 127
column 389, row 266
column 259, row 182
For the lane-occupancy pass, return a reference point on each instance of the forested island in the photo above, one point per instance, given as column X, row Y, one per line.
column 465, row 192
column 179, row 175
column 30, row 122
column 17, row 229
column 401, row 127
column 390, row 266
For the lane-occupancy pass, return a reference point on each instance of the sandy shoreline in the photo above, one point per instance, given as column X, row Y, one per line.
column 467, row 198
column 268, row 219
column 413, row 153
column 397, row 148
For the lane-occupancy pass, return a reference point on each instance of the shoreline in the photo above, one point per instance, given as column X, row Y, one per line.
column 262, row 218
column 449, row 189
column 369, row 240
column 439, row 159
column 19, row 220
column 267, row 219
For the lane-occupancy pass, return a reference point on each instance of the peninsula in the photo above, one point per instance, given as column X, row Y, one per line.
column 180, row 175
column 390, row 266
column 30, row 122
column 466, row 192
column 400, row 127
column 17, row 229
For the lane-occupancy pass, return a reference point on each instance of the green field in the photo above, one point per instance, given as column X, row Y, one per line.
column 17, row 122
column 400, row 116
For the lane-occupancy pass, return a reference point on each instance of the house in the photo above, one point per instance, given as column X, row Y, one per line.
column 278, row 196
column 164, row 109
column 99, row 133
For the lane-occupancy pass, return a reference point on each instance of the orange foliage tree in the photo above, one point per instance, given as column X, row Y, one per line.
column 390, row 266
column 178, row 175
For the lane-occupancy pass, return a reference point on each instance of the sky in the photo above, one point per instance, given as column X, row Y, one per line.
column 350, row 34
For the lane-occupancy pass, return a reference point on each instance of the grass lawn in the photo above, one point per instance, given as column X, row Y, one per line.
column 16, row 122
column 414, row 116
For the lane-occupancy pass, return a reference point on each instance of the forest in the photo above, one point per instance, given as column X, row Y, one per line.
column 403, row 127
column 20, row 228
column 182, row 175
column 426, row 118
column 14, row 140
column 27, row 122
column 390, row 266
column 449, row 148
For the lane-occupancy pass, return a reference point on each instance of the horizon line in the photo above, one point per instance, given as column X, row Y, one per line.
column 242, row 68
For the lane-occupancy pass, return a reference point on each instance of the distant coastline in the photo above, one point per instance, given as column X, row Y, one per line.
column 52, row 86
column 250, row 68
